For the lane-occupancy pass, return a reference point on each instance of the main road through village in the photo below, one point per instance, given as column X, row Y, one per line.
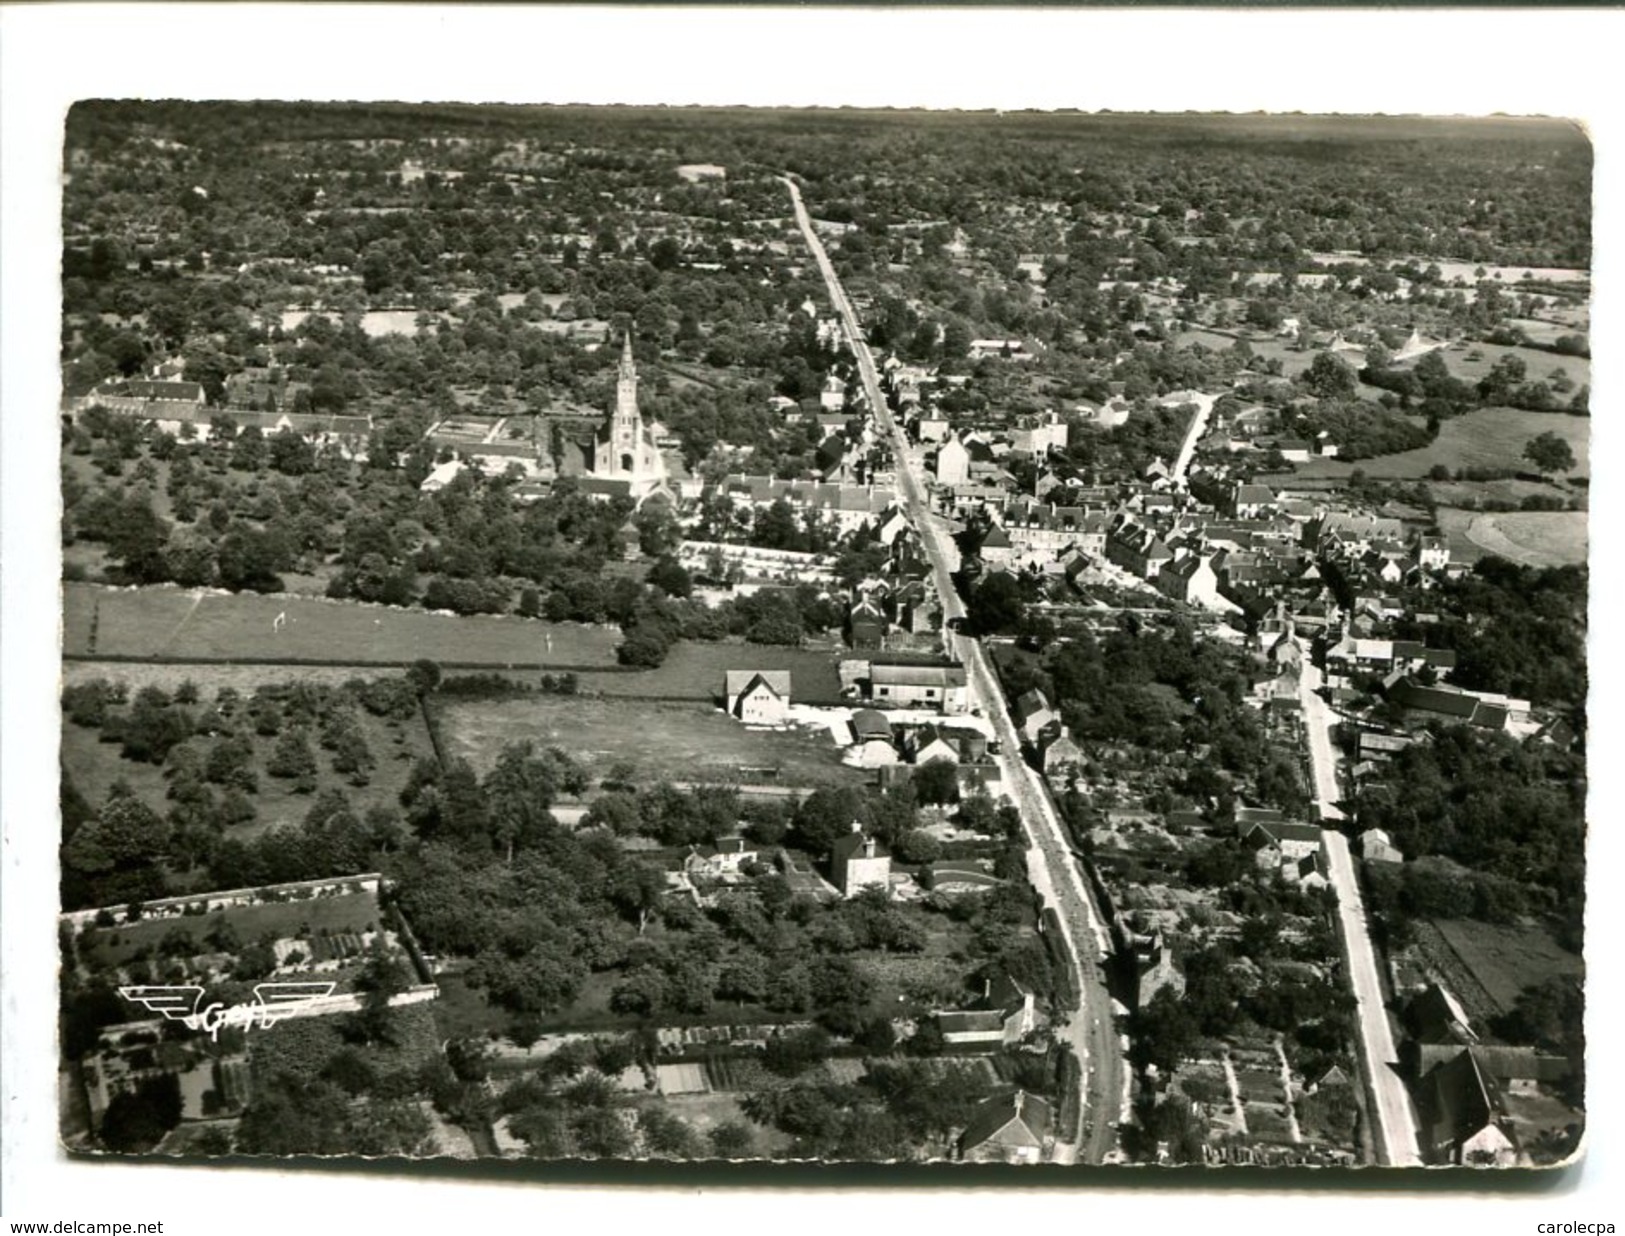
column 1395, row 1117
column 1052, row 865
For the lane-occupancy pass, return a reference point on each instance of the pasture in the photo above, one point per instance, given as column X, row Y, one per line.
column 1477, row 359
column 206, row 625
column 1488, row 438
column 1530, row 538
column 695, row 671
column 676, row 742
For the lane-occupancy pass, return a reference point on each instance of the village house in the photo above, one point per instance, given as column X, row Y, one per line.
column 1278, row 841
column 1137, row 550
column 1016, row 1128
column 1059, row 755
column 1154, row 969
column 866, row 624
column 722, row 861
column 926, row 743
column 913, row 685
column 758, row 697
column 1461, row 1118
column 1033, row 715
column 1191, row 580
column 1349, row 532
column 873, row 745
column 1377, row 847
column 832, row 398
column 1004, row 1014
column 1352, row 655
column 952, row 463
column 1421, row 705
column 849, row 507
column 1040, row 435
column 1250, row 501
column 858, row 861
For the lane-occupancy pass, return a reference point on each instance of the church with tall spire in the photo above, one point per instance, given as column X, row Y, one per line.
column 624, row 449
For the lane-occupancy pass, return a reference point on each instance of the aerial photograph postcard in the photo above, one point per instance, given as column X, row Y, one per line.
column 707, row 635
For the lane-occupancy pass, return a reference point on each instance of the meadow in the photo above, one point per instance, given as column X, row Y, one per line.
column 1531, row 538
column 207, row 625
column 1488, row 438
column 679, row 742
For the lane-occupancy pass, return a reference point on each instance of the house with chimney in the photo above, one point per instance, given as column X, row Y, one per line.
column 1013, row 1128
column 858, row 861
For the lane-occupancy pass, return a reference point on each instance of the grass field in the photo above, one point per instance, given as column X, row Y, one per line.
column 1490, row 438
column 1532, row 538
column 171, row 622
column 695, row 671
column 1540, row 364
column 662, row 741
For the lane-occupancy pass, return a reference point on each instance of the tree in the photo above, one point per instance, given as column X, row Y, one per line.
column 1549, row 453
column 797, row 1051
column 1163, row 1032
column 826, row 815
column 136, row 1120
column 382, row 977
column 293, row 760
column 424, row 676
column 1330, row 377
column 732, row 1140
column 918, row 846
column 997, row 604
column 936, row 781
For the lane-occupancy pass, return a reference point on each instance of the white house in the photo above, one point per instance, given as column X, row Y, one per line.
column 953, row 462
column 758, row 697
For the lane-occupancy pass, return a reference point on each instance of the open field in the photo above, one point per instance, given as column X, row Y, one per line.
column 1489, row 438
column 695, row 671
column 169, row 675
column 1540, row 364
column 205, row 625
column 1532, row 538
column 662, row 741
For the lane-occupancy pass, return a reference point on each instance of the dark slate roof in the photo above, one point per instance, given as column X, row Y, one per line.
column 1019, row 1118
column 1458, row 1100
column 852, row 842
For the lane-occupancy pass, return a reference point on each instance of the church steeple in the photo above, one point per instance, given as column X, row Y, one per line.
column 626, row 384
column 624, row 448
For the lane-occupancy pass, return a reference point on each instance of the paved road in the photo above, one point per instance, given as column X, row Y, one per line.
column 1187, row 449
column 1395, row 1116
column 1052, row 866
